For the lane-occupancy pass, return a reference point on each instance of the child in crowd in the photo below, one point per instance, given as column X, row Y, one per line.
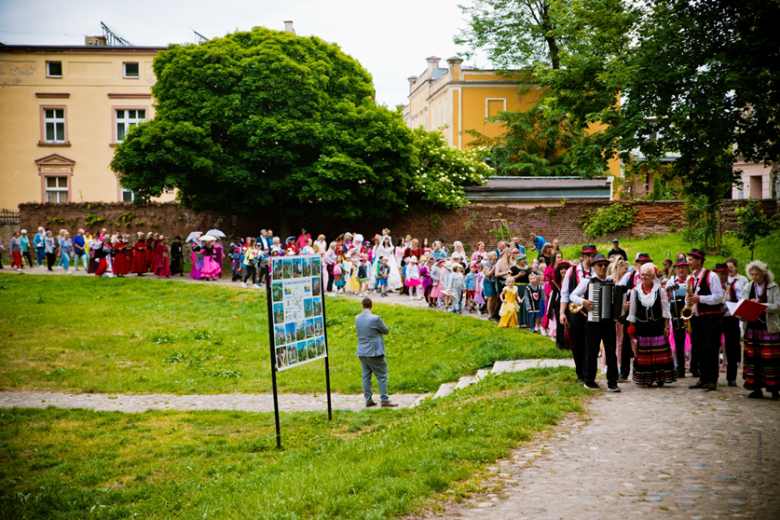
column 340, row 272
column 444, row 280
column 509, row 305
column 435, row 293
column 384, row 274
column 533, row 297
column 412, row 278
column 470, row 284
column 362, row 275
column 455, row 287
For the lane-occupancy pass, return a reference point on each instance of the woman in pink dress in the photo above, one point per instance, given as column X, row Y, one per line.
column 210, row 269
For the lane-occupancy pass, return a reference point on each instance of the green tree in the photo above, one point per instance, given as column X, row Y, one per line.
column 754, row 224
column 269, row 119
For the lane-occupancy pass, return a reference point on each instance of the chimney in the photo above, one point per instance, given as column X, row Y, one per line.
column 433, row 62
column 412, row 81
column 288, row 27
column 455, row 67
column 95, row 41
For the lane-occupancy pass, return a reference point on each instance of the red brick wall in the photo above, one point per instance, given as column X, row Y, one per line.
column 469, row 224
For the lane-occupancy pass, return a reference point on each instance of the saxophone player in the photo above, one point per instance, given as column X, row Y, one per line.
column 576, row 321
column 677, row 301
column 706, row 300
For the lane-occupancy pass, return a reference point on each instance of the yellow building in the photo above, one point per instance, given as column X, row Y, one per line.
column 63, row 109
column 458, row 99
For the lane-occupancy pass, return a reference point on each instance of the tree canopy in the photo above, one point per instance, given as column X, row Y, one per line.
column 270, row 119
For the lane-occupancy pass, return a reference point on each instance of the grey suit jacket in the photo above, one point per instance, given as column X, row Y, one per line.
column 370, row 329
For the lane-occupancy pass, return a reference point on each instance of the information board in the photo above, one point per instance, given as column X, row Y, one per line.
column 297, row 302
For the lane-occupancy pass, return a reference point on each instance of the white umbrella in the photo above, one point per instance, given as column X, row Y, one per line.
column 216, row 233
column 207, row 238
column 192, row 236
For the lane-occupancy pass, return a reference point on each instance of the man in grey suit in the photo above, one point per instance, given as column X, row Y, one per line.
column 371, row 351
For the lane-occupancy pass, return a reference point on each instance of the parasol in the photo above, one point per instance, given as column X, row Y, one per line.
column 215, row 233
column 207, row 238
column 192, row 236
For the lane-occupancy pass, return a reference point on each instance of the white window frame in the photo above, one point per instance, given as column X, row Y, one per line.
column 54, row 120
column 48, row 70
column 126, row 121
column 57, row 190
column 125, row 75
column 125, row 191
column 487, row 105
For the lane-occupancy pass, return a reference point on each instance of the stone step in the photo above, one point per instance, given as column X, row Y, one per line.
column 445, row 390
column 481, row 374
column 465, row 381
column 419, row 400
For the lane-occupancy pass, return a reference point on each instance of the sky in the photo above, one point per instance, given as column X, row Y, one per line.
column 391, row 39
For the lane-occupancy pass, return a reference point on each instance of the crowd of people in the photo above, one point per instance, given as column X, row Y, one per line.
column 102, row 254
column 667, row 316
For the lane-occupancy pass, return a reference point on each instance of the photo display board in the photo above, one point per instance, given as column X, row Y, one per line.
column 296, row 295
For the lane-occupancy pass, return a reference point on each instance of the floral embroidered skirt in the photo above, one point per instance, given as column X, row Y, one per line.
column 654, row 362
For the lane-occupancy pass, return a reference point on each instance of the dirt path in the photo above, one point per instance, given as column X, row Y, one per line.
column 645, row 454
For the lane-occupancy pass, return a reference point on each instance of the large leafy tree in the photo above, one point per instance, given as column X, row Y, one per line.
column 270, row 119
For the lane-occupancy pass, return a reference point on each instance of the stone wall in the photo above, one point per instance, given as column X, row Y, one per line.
column 469, row 224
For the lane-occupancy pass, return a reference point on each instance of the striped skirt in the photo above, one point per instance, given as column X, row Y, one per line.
column 654, row 362
column 762, row 360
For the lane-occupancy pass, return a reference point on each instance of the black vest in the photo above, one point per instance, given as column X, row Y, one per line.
column 655, row 312
column 705, row 290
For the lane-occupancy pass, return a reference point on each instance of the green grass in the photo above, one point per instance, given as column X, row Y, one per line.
column 662, row 247
column 74, row 464
column 88, row 334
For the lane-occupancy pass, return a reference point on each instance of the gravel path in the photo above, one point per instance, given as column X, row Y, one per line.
column 141, row 403
column 670, row 453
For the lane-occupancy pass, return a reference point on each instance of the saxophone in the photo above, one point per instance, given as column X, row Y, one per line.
column 687, row 312
column 575, row 308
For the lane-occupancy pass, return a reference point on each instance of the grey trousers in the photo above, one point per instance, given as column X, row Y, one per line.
column 378, row 366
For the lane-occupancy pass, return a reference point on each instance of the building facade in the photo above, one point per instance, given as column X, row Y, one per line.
column 63, row 110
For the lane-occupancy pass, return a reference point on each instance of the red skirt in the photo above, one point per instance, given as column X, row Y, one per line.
column 139, row 262
column 148, row 260
column 121, row 264
column 103, row 267
column 162, row 266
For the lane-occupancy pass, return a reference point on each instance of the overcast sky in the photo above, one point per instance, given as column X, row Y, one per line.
column 390, row 38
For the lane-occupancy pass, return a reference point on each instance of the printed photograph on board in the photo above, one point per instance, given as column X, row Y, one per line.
column 320, row 342
column 277, row 272
column 311, row 348
column 307, row 267
column 316, row 267
column 287, row 271
column 292, row 354
column 316, row 286
column 308, row 307
column 297, row 267
column 310, row 328
column 317, row 306
column 281, row 357
column 277, row 291
column 278, row 313
column 289, row 329
column 318, row 329
column 302, row 356
column 300, row 330
column 279, row 336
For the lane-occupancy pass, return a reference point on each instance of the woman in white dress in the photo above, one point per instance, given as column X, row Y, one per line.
column 386, row 249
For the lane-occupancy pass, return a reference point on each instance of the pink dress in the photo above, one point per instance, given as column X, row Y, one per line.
column 210, row 269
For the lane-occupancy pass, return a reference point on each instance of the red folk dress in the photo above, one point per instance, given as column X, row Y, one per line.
column 162, row 266
column 139, row 257
column 121, row 262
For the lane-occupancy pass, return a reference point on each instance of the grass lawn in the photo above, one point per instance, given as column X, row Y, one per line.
column 662, row 247
column 73, row 464
column 88, row 334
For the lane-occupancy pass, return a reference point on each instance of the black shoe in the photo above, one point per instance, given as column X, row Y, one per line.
column 756, row 394
column 732, row 383
column 710, row 387
column 613, row 388
column 681, row 374
column 592, row 386
column 695, row 373
column 697, row 385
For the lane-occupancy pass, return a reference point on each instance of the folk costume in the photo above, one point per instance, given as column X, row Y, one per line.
column 706, row 326
column 596, row 333
column 576, row 322
column 552, row 311
column 630, row 280
column 648, row 317
column 197, row 261
column 121, row 262
column 149, row 255
column 509, row 309
column 762, row 340
column 103, row 256
column 210, row 269
column 162, row 266
column 732, row 333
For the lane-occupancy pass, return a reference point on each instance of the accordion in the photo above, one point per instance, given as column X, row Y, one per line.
column 608, row 300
